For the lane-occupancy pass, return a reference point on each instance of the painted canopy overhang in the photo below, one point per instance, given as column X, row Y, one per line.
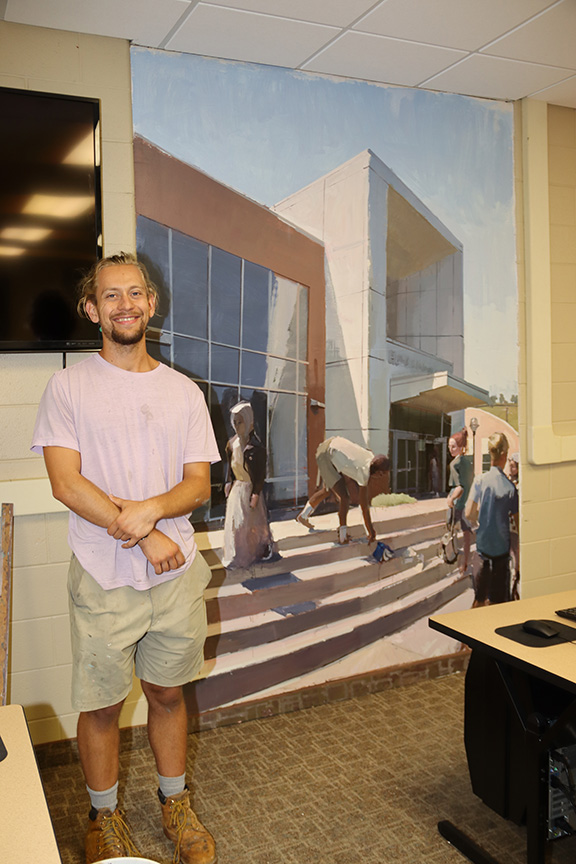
column 440, row 392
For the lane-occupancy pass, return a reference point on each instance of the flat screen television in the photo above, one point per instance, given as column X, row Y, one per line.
column 50, row 218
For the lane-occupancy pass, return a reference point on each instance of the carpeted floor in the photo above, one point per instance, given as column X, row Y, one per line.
column 364, row 780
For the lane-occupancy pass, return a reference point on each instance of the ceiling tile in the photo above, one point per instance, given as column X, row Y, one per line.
column 559, row 94
column 452, row 23
column 549, row 39
column 236, row 35
column 145, row 21
column 496, row 78
column 340, row 13
column 376, row 58
column 465, row 24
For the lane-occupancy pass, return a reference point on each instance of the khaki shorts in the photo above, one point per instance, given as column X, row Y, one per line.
column 330, row 476
column 158, row 633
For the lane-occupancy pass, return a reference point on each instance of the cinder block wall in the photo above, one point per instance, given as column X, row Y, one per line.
column 548, row 491
column 562, row 192
column 33, row 58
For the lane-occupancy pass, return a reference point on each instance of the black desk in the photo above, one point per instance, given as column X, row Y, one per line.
column 522, row 669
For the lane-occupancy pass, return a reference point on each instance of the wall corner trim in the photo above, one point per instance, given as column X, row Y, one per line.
column 545, row 446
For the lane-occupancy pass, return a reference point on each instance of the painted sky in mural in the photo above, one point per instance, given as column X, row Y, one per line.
column 268, row 132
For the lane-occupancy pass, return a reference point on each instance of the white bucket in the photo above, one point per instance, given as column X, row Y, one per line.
column 128, row 861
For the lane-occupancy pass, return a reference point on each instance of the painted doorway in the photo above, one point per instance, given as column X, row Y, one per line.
column 411, row 459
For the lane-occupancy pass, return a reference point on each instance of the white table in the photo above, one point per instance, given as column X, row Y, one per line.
column 26, row 832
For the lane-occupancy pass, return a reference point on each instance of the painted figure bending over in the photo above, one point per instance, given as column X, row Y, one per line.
column 460, row 481
column 247, row 535
column 493, row 502
column 128, row 444
column 338, row 458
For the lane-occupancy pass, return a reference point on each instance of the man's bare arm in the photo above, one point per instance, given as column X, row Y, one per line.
column 75, row 491
column 91, row 503
column 137, row 518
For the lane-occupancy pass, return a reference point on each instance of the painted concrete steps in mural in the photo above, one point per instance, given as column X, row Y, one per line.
column 248, row 672
column 319, row 570
column 297, row 545
column 320, row 601
column 399, row 604
column 320, row 559
column 314, row 608
column 386, row 520
column 324, row 548
column 292, row 591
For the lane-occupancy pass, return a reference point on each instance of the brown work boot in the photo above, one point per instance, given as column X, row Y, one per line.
column 194, row 844
column 108, row 836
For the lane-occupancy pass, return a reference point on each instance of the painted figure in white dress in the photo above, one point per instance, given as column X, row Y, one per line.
column 247, row 535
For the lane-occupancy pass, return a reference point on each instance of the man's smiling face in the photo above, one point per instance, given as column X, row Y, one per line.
column 123, row 308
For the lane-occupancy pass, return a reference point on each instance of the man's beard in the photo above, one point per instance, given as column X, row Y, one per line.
column 133, row 338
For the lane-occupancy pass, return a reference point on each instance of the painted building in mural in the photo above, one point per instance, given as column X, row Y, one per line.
column 340, row 311
column 241, row 312
column 394, row 315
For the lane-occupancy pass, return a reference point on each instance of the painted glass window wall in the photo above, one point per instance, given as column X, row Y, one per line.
column 241, row 332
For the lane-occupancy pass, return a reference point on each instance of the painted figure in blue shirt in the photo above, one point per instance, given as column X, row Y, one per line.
column 493, row 503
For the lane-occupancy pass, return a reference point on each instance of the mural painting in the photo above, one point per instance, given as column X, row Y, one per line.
column 336, row 265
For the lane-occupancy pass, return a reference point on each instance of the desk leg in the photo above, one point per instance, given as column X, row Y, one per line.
column 464, row 844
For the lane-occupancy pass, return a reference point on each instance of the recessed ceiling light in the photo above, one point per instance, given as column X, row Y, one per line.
column 59, row 206
column 30, row 235
column 11, row 251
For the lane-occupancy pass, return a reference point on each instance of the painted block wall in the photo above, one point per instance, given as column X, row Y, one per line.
column 33, row 58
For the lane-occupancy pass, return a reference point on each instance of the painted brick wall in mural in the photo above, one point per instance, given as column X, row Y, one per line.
column 340, row 258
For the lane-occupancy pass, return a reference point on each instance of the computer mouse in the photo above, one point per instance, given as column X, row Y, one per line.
column 540, row 628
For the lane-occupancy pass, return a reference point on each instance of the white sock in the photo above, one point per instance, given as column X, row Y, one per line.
column 170, row 786
column 108, row 798
column 307, row 511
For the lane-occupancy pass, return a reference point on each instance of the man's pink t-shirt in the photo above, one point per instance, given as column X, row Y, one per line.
column 134, row 432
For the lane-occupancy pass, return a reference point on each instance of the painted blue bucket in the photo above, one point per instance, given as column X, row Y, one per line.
column 378, row 553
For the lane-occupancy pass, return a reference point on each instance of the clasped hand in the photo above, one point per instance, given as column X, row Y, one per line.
column 162, row 552
column 134, row 521
column 135, row 524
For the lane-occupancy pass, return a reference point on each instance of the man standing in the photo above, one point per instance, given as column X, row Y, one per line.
column 128, row 444
column 493, row 503
column 338, row 458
